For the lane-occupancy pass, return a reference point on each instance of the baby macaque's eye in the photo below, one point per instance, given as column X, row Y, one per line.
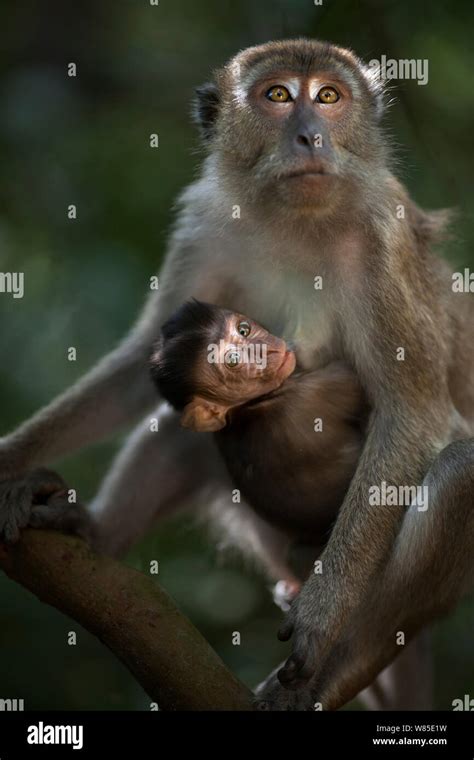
column 244, row 329
column 232, row 359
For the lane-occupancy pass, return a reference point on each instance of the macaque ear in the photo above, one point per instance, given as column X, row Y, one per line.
column 204, row 416
column 206, row 108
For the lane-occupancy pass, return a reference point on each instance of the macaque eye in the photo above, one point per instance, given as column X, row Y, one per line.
column 244, row 329
column 232, row 359
column 278, row 94
column 327, row 95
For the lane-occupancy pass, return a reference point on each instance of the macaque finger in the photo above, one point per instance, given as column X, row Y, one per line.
column 302, row 664
column 59, row 514
column 44, row 483
column 292, row 668
column 285, row 631
column 15, row 506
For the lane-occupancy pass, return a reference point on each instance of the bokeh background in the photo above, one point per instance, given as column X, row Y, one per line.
column 85, row 140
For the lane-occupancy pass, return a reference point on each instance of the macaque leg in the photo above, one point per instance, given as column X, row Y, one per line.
column 405, row 684
column 158, row 473
column 421, row 582
column 237, row 525
column 154, row 475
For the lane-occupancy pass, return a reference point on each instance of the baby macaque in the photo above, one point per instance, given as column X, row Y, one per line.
column 290, row 438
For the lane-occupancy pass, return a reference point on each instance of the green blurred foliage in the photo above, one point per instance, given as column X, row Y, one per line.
column 85, row 140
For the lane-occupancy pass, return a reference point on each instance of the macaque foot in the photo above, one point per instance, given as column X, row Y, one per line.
column 305, row 625
column 284, row 593
column 39, row 500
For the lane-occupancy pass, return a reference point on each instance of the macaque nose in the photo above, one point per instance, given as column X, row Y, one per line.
column 309, row 136
column 305, row 142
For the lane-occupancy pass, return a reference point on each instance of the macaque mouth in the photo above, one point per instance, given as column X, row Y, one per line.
column 315, row 174
column 308, row 169
column 307, row 173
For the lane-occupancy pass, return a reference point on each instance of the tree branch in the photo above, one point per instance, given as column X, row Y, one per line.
column 130, row 614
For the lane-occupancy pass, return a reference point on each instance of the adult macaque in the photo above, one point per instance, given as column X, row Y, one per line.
column 226, row 374
column 294, row 143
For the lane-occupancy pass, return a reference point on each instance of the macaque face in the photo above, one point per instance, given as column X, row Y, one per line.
column 246, row 363
column 304, row 122
column 304, row 113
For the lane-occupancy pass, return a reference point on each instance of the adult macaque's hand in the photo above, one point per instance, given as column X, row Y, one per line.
column 39, row 499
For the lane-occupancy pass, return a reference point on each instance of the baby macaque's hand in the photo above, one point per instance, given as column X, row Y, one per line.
column 39, row 499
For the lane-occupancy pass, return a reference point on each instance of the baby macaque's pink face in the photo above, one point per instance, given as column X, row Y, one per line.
column 246, row 363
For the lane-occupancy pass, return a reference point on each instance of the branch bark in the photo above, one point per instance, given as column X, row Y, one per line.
column 131, row 615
